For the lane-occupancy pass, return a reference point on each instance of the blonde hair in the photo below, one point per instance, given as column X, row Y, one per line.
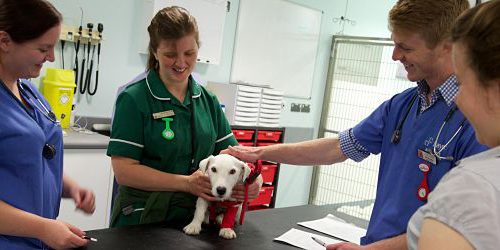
column 478, row 30
column 170, row 23
column 433, row 19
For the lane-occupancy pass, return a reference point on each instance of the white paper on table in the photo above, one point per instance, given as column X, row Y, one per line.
column 333, row 226
column 303, row 239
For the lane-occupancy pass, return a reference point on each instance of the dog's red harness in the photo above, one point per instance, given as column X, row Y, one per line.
column 232, row 206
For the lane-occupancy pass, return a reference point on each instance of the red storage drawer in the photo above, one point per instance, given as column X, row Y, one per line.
column 246, row 143
column 264, row 196
column 268, row 172
column 269, row 135
column 260, row 144
column 243, row 134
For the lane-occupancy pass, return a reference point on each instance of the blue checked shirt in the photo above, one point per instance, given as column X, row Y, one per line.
column 448, row 90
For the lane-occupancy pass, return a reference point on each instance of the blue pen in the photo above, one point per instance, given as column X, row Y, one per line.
column 319, row 241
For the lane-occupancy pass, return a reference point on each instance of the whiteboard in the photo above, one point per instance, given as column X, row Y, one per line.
column 210, row 16
column 276, row 44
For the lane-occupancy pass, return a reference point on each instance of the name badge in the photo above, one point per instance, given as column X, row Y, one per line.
column 427, row 156
column 163, row 114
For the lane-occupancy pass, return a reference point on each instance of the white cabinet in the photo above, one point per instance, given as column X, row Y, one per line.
column 90, row 168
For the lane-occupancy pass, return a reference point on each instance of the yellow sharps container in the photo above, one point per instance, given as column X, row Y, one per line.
column 58, row 88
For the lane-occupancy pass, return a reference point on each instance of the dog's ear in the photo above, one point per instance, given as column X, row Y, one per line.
column 204, row 163
column 245, row 170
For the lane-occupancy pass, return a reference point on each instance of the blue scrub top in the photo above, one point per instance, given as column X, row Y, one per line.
column 399, row 176
column 28, row 181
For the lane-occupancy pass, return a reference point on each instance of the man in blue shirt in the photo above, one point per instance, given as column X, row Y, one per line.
column 416, row 148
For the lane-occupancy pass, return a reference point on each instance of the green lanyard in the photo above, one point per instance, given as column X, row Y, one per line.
column 169, row 134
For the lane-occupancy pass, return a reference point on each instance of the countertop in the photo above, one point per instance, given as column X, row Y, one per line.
column 84, row 140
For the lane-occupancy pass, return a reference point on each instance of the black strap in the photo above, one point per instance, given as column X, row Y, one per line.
column 396, row 135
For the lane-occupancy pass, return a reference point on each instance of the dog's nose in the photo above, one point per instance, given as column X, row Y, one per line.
column 221, row 190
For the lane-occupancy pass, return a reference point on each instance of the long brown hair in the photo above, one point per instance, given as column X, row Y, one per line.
column 171, row 23
column 25, row 20
column 478, row 30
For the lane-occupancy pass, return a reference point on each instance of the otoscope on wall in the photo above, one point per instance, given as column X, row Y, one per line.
column 88, row 78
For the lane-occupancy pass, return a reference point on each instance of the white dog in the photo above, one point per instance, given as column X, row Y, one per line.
column 224, row 172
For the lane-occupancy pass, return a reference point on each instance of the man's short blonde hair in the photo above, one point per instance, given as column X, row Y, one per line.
column 432, row 19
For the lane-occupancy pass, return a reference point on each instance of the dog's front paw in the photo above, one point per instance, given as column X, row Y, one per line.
column 193, row 228
column 227, row 233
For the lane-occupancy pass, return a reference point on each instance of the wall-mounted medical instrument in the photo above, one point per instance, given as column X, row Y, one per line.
column 85, row 61
column 90, row 64
column 89, row 38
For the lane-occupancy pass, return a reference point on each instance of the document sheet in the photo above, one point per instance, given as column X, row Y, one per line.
column 304, row 239
column 334, row 226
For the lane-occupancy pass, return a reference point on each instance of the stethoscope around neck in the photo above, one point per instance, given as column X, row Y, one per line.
column 396, row 135
column 49, row 150
column 49, row 114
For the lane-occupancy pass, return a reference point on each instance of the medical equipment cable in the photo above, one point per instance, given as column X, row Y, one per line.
column 82, row 83
column 448, row 117
column 396, row 135
column 88, row 76
column 77, row 50
column 85, row 61
column 87, row 65
column 62, row 52
column 100, row 28
column 23, row 91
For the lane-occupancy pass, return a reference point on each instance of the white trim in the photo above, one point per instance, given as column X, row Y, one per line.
column 223, row 138
column 197, row 95
column 128, row 142
column 159, row 98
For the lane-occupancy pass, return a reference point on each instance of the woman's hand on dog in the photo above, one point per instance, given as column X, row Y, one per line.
column 199, row 185
column 253, row 190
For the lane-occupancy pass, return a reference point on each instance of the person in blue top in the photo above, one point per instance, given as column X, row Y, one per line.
column 419, row 133
column 32, row 181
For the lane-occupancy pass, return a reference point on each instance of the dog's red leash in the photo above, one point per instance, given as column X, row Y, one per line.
column 256, row 170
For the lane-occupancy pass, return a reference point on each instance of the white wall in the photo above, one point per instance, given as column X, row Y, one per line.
column 120, row 61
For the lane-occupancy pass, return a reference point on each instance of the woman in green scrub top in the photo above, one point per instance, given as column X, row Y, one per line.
column 164, row 125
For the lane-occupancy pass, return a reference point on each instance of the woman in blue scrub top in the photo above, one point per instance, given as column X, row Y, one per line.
column 31, row 147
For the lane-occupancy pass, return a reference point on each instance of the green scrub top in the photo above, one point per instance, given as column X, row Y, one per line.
column 138, row 135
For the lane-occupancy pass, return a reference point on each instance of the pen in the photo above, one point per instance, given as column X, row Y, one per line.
column 319, row 241
column 89, row 238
